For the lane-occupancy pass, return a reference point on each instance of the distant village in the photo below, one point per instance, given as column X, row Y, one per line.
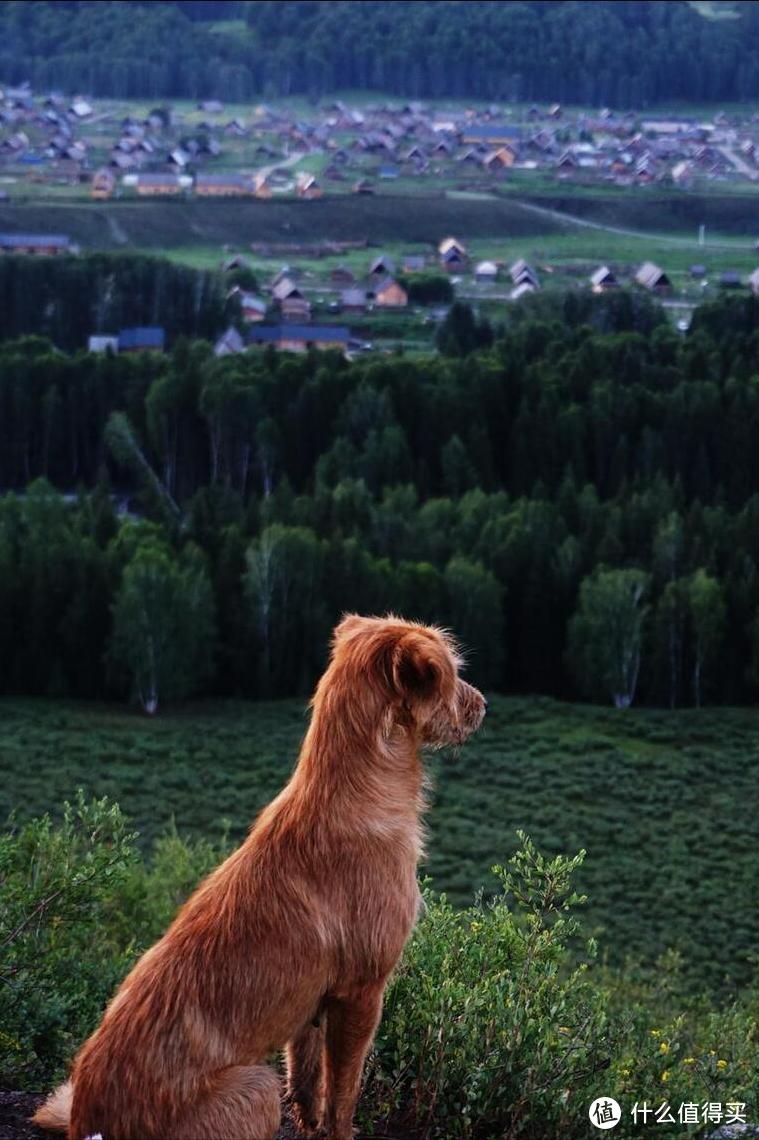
column 168, row 152
column 101, row 153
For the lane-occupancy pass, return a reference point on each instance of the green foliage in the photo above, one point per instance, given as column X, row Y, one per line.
column 427, row 288
column 163, row 627
column 59, row 956
column 510, row 51
column 486, row 1031
column 460, row 332
column 70, row 298
column 557, row 451
column 605, row 634
column 578, row 776
column 497, row 1023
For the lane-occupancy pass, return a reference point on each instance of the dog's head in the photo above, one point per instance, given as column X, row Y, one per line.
column 410, row 673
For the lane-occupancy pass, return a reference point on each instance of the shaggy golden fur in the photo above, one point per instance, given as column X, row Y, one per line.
column 289, row 943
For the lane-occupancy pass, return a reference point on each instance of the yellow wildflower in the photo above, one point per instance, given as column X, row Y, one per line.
column 689, row 1060
column 665, row 1075
column 656, row 1032
column 664, row 1047
column 721, row 1064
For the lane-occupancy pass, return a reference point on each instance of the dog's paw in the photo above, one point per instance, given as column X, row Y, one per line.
column 306, row 1118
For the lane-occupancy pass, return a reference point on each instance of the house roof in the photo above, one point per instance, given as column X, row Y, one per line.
column 158, row 180
column 601, row 275
column 449, row 244
column 385, row 284
column 285, row 288
column 12, row 241
column 313, row 334
column 144, row 336
column 520, row 271
column 229, row 342
column 650, row 274
column 353, row 297
column 251, row 301
column 486, row 269
column 383, row 264
column 242, row 180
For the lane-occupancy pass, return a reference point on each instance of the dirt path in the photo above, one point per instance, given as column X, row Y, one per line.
column 584, row 223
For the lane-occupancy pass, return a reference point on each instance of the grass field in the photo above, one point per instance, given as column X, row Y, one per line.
column 665, row 803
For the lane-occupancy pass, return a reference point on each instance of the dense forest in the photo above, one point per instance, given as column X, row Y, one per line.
column 69, row 299
column 579, row 499
column 626, row 53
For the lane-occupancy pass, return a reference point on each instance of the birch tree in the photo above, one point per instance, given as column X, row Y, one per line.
column 163, row 628
column 606, row 632
column 707, row 613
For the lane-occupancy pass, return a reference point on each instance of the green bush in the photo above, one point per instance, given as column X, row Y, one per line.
column 59, row 959
column 77, row 907
column 487, row 1030
column 498, row 1023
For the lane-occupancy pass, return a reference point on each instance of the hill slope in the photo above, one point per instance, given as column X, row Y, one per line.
column 664, row 803
column 621, row 54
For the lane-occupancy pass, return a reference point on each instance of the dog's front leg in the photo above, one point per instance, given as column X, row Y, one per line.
column 306, row 1076
column 351, row 1023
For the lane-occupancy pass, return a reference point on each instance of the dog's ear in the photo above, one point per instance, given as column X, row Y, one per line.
column 422, row 668
column 350, row 624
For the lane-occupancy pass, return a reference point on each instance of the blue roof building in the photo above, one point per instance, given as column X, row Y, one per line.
column 142, row 339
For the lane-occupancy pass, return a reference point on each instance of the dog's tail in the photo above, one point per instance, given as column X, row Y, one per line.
column 55, row 1113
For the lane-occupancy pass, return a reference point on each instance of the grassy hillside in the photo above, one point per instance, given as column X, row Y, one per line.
column 665, row 803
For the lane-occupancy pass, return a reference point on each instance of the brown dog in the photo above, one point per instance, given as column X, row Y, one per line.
column 290, row 941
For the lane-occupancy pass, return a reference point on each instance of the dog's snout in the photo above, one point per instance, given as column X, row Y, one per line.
column 484, row 704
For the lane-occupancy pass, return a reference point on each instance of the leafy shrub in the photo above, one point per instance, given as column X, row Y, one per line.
column 59, row 960
column 497, row 1023
column 487, row 1031
column 77, row 906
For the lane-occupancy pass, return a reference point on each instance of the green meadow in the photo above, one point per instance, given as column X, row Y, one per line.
column 665, row 804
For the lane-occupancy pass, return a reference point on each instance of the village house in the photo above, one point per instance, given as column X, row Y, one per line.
column 299, row 338
column 253, row 307
column 307, row 186
column 730, row 279
column 485, row 272
column 753, row 282
column 229, row 343
column 157, row 185
column 382, row 266
column 491, row 135
column 353, row 300
column 388, row 294
column 292, row 304
column 103, row 183
column 523, row 274
column 103, row 343
column 224, row 185
column 653, row 278
column 500, row 159
column 144, row 338
column 603, row 279
column 42, row 245
column 453, row 255
column 341, row 275
column 414, row 263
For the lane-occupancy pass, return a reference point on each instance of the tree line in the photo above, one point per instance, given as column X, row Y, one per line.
column 578, row 500
column 632, row 53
